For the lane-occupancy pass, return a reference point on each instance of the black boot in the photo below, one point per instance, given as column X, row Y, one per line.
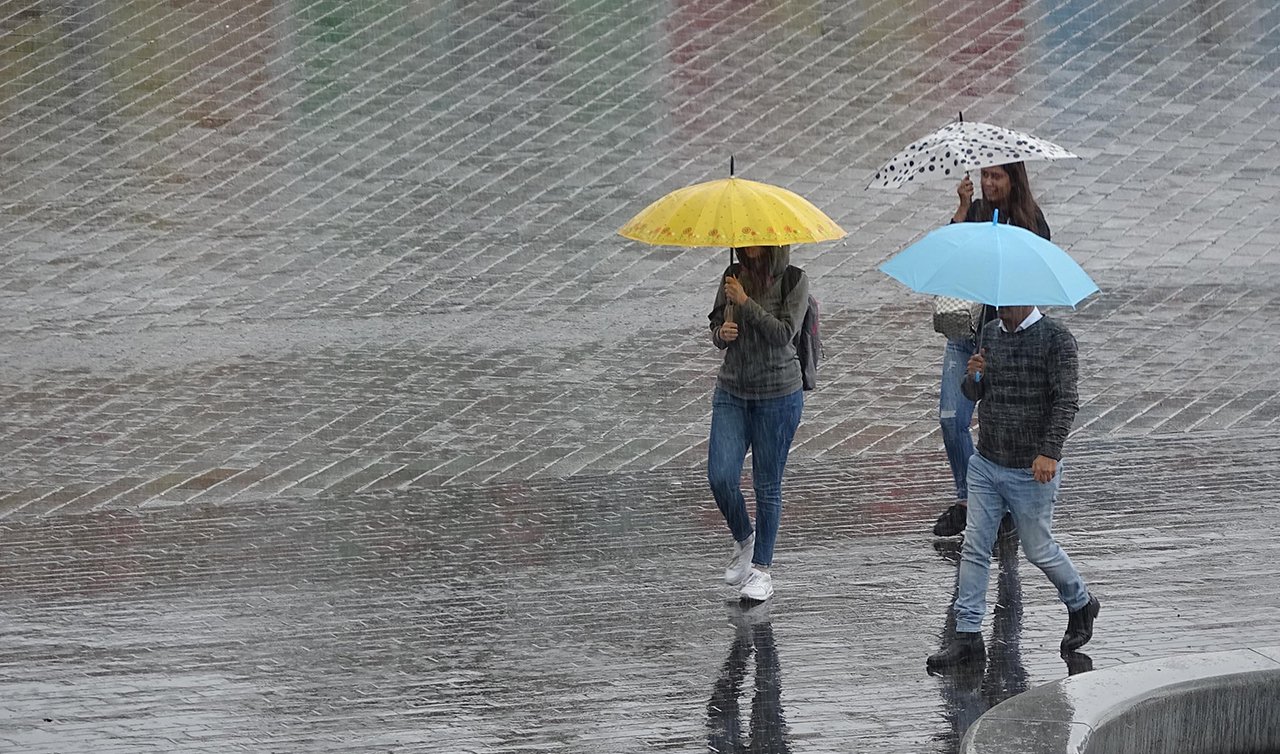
column 951, row 522
column 1080, row 625
column 963, row 649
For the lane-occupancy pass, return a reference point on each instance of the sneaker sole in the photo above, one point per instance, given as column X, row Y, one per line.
column 754, row 598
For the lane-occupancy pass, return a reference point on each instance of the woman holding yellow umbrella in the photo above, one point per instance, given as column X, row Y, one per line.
column 758, row 400
column 759, row 308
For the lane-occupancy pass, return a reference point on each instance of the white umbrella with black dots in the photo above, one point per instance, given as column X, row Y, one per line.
column 957, row 148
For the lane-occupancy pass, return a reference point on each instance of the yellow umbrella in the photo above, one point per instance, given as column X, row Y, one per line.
column 731, row 212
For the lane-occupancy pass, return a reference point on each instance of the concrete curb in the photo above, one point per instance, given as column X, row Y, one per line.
column 1215, row 702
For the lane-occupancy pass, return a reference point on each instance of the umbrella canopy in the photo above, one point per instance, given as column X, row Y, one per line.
column 1002, row 265
column 731, row 212
column 957, row 148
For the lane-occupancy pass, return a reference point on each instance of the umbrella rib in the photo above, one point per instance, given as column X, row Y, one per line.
column 1063, row 289
column 713, row 209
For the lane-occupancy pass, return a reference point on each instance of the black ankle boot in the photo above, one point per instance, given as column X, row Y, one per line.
column 951, row 522
column 1080, row 625
column 963, row 649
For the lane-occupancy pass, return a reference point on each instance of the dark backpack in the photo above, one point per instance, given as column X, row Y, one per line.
column 807, row 341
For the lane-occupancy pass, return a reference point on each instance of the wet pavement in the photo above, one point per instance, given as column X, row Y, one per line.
column 337, row 418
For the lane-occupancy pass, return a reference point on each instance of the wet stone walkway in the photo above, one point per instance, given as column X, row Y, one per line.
column 334, row 416
column 586, row 615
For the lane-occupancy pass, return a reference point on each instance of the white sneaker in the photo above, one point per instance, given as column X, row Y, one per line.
column 758, row 586
column 740, row 564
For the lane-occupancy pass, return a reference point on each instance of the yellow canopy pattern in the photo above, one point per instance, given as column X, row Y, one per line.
column 731, row 212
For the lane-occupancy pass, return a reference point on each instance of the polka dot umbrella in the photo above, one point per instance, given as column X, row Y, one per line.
column 960, row 147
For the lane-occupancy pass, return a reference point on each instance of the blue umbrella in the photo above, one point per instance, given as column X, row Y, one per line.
column 1002, row 265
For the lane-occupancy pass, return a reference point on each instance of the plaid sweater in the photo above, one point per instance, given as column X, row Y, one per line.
column 1027, row 394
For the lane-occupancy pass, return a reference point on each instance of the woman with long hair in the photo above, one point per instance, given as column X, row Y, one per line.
column 1005, row 188
column 757, row 404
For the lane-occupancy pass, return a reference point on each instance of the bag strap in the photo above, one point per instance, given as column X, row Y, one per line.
column 790, row 279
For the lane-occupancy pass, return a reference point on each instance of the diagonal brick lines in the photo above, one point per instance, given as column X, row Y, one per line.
column 337, row 417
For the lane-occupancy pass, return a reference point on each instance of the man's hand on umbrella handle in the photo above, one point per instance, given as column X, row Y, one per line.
column 977, row 363
column 733, row 290
column 729, row 332
column 965, row 192
column 1043, row 469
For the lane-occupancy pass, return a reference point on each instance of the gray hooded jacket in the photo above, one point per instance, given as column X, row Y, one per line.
column 762, row 362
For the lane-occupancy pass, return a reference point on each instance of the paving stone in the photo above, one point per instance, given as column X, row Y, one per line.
column 330, row 391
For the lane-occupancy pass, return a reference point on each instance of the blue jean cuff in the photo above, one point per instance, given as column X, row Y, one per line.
column 1087, row 598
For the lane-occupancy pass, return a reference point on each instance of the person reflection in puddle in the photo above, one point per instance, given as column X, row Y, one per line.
column 971, row 689
column 1077, row 662
column 768, row 731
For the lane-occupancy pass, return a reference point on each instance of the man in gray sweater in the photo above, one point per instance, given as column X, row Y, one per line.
column 1024, row 381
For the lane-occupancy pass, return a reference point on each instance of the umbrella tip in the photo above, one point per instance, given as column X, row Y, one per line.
column 731, row 165
column 995, row 216
column 962, row 116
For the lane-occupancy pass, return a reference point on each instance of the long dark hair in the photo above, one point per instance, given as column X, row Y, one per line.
column 1020, row 207
column 757, row 277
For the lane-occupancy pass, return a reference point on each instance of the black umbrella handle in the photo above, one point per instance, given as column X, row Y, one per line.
column 977, row 376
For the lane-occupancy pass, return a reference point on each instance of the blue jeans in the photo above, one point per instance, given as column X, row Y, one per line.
column 766, row 427
column 955, row 413
column 993, row 489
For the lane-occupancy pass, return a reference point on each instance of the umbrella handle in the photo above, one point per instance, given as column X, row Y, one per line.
column 977, row 376
column 728, row 307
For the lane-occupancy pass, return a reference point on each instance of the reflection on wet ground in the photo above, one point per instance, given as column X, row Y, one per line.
column 970, row 690
column 752, row 641
column 589, row 614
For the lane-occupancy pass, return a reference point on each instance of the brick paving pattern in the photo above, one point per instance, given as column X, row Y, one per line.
column 337, row 418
